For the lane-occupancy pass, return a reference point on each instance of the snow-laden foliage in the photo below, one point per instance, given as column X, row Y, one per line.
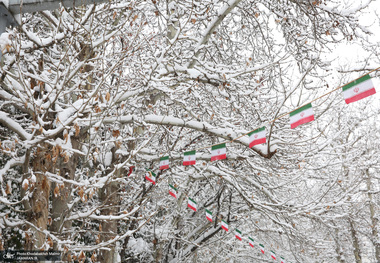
column 92, row 97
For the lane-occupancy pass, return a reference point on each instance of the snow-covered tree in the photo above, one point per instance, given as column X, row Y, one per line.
column 92, row 97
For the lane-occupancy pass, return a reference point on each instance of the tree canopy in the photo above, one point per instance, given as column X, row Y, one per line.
column 92, row 97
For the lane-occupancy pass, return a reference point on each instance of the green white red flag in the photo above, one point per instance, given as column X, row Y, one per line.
column 302, row 115
column 257, row 137
column 262, row 248
column 251, row 242
column 189, row 158
column 358, row 89
column 164, row 162
column 224, row 225
column 173, row 191
column 150, row 176
column 282, row 260
column 273, row 255
column 238, row 234
column 218, row 152
column 209, row 215
column 192, row 204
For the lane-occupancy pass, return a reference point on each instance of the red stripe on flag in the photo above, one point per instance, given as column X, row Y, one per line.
column 225, row 228
column 302, row 121
column 256, row 142
column 209, row 219
column 131, row 168
column 251, row 244
column 172, row 194
column 238, row 237
column 191, row 207
column 273, row 257
column 164, row 167
column 150, row 180
column 361, row 95
column 189, row 162
column 218, row 157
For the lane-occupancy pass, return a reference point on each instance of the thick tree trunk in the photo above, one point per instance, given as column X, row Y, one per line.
column 38, row 204
column 109, row 196
column 61, row 194
column 109, row 227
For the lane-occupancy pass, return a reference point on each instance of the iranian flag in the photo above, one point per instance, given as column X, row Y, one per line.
column 238, row 234
column 189, row 158
column 282, row 260
column 151, row 177
column 224, row 225
column 302, row 115
column 192, row 204
column 272, row 254
column 209, row 215
column 257, row 137
column 358, row 89
column 251, row 242
column 218, row 152
column 262, row 248
column 164, row 162
column 172, row 191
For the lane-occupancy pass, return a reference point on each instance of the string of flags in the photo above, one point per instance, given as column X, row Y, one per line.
column 353, row 91
column 192, row 204
column 224, row 225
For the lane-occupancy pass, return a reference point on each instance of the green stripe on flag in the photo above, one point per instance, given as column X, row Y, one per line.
column 190, row 153
column 356, row 82
column 208, row 212
column 149, row 171
column 237, row 230
column 164, row 158
column 219, row 146
column 173, row 187
column 261, row 245
column 307, row 106
column 192, row 200
column 224, row 222
column 251, row 239
column 257, row 130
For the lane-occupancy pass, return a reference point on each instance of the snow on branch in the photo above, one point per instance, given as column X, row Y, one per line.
column 14, row 126
column 225, row 133
column 223, row 12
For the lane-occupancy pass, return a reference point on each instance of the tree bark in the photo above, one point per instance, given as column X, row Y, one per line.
column 39, row 203
column 109, row 196
column 61, row 194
